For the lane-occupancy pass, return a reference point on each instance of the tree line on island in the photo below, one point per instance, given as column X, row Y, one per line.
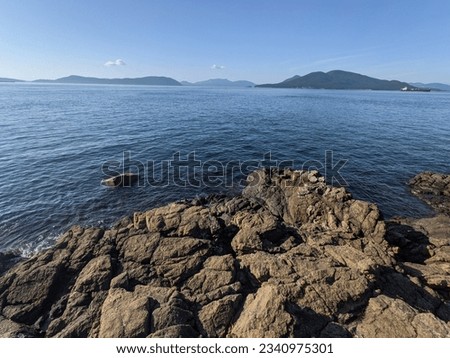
column 336, row 79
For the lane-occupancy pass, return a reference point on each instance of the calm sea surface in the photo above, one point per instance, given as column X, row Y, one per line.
column 54, row 140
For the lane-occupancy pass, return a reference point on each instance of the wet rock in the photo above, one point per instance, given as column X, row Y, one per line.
column 434, row 189
column 125, row 179
column 8, row 260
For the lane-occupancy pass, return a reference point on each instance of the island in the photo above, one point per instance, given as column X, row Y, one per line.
column 338, row 79
column 148, row 81
column 3, row 79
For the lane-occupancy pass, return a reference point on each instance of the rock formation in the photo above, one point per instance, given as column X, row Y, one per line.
column 290, row 257
column 434, row 189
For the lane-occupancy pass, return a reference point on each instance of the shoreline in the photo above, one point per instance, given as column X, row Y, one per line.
column 274, row 261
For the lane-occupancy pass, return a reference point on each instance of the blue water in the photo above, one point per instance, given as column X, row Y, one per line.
column 54, row 140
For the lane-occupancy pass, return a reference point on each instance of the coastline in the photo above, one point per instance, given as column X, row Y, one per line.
column 276, row 261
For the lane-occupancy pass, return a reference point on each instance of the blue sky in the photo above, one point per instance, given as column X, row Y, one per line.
column 258, row 40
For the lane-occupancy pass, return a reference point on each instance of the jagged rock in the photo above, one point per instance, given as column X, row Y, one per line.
column 424, row 247
column 257, row 232
column 180, row 331
column 216, row 317
column 434, row 189
column 11, row 329
column 126, row 314
column 395, row 318
column 290, row 257
column 264, row 315
column 8, row 260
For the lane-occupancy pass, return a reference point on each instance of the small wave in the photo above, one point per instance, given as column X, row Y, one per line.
column 30, row 249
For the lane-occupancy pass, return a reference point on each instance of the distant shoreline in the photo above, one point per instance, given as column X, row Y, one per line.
column 336, row 79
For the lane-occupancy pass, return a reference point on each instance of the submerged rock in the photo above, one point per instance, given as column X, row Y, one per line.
column 290, row 257
column 126, row 179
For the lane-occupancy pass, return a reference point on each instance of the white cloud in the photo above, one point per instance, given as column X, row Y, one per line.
column 217, row 67
column 118, row 62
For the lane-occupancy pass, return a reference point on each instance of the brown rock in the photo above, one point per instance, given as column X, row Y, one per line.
column 263, row 315
column 216, row 317
column 434, row 189
column 387, row 317
column 125, row 314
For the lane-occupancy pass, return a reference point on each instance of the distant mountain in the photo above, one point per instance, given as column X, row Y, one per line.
column 2, row 79
column 219, row 82
column 338, row 80
column 438, row 86
column 150, row 81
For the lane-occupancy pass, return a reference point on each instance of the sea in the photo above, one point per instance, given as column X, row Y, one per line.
column 58, row 141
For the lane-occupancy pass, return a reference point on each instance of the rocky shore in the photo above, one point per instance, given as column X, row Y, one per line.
column 290, row 257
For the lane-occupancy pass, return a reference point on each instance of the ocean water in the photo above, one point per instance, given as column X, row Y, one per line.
column 57, row 140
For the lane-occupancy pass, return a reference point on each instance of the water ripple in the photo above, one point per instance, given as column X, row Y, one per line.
column 54, row 140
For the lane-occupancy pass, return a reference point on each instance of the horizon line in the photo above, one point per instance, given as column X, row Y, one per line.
column 11, row 79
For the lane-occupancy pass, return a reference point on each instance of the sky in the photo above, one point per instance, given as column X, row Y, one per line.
column 258, row 40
